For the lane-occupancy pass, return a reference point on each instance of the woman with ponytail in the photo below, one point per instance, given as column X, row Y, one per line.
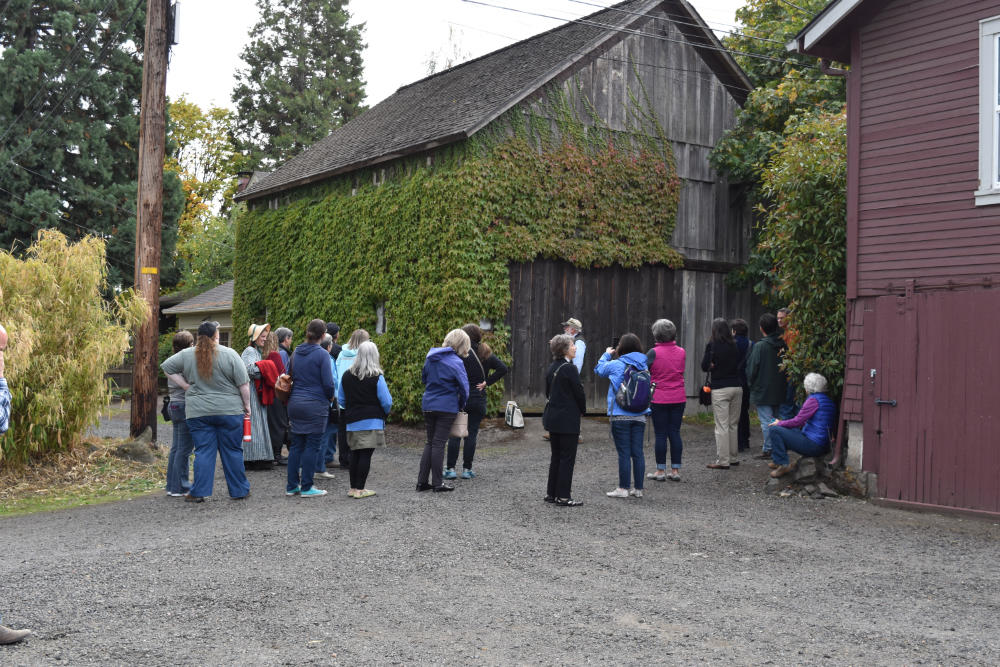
column 217, row 397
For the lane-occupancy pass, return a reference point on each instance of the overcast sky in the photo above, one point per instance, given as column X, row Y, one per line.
column 402, row 35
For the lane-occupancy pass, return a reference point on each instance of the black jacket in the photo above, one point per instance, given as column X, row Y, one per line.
column 478, row 371
column 567, row 402
column 728, row 360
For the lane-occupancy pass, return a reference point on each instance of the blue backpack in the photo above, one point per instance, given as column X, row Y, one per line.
column 636, row 390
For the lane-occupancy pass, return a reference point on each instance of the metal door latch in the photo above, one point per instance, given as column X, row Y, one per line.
column 891, row 403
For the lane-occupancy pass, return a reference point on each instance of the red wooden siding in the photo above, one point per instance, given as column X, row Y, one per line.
column 934, row 356
column 917, row 166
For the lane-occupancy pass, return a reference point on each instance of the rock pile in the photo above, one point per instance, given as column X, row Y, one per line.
column 813, row 478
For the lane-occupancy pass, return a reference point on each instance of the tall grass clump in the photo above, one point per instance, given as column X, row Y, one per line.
column 65, row 333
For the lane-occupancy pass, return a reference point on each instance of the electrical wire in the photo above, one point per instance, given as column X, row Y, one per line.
column 675, row 18
column 48, row 115
column 75, row 53
column 708, row 46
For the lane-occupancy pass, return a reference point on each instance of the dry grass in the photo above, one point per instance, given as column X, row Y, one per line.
column 88, row 475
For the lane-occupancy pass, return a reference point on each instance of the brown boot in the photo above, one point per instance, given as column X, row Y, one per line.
column 781, row 471
column 8, row 636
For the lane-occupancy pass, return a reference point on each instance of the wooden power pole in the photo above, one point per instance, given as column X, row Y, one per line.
column 149, row 214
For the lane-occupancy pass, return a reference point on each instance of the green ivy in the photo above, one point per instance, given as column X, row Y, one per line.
column 806, row 232
column 433, row 243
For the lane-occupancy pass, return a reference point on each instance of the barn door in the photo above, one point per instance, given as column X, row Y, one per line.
column 891, row 395
column 933, row 403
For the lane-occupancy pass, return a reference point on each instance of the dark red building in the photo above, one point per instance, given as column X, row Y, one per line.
column 922, row 387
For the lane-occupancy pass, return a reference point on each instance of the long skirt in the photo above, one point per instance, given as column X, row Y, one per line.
column 259, row 447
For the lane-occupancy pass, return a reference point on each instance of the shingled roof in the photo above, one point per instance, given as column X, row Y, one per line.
column 456, row 103
column 217, row 298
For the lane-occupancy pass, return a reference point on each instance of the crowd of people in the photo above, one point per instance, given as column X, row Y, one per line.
column 328, row 403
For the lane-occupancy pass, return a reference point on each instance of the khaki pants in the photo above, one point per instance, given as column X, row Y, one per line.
column 726, row 408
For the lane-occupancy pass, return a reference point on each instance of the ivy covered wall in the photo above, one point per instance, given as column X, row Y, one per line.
column 432, row 242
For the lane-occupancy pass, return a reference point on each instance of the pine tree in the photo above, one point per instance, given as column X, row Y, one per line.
column 303, row 77
column 69, row 127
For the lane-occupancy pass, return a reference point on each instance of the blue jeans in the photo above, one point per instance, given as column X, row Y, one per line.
column 477, row 410
column 179, row 460
column 667, row 418
column 302, row 453
column 767, row 414
column 222, row 436
column 627, row 435
column 785, row 439
column 328, row 447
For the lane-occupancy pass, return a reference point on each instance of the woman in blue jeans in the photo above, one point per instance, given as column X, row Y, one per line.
column 627, row 428
column 179, row 461
column 313, row 389
column 217, row 397
column 808, row 432
column 666, row 369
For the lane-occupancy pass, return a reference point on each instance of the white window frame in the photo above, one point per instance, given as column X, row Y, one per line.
column 989, row 112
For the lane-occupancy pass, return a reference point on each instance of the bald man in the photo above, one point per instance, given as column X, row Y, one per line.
column 7, row 636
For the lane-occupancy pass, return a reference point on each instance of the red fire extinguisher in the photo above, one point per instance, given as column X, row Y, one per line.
column 246, row 428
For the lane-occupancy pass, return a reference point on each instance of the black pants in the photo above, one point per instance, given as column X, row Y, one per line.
column 476, row 410
column 361, row 461
column 343, row 449
column 277, row 426
column 438, row 427
column 561, row 464
column 743, row 431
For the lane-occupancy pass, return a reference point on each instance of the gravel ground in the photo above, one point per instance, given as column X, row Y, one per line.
column 710, row 570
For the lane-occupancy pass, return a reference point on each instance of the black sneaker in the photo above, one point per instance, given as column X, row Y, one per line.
column 443, row 488
column 424, row 487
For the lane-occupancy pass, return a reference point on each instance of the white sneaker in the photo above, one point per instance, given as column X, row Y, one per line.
column 635, row 492
column 618, row 493
column 325, row 475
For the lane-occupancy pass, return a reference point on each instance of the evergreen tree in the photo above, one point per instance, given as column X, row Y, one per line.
column 69, row 127
column 303, row 77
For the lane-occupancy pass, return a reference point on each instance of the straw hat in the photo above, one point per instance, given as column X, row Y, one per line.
column 573, row 322
column 255, row 330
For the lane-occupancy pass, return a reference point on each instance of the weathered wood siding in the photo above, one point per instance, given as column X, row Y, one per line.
column 919, row 146
column 609, row 302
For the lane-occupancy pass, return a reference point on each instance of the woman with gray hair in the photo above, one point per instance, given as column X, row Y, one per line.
column 565, row 404
column 364, row 397
column 808, row 432
column 446, row 389
column 666, row 369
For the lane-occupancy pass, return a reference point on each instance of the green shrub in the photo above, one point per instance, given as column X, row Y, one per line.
column 64, row 336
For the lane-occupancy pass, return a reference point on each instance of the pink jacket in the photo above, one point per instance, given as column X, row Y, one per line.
column 667, row 371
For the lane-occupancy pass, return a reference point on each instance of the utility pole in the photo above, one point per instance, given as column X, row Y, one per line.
column 149, row 214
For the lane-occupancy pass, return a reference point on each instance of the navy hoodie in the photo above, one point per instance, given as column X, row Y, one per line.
column 446, row 384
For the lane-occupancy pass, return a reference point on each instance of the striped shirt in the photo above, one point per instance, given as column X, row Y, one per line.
column 4, row 406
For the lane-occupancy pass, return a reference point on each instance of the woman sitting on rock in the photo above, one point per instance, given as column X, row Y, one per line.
column 808, row 432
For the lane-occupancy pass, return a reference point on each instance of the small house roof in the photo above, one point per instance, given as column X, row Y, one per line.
column 826, row 35
column 454, row 104
column 215, row 299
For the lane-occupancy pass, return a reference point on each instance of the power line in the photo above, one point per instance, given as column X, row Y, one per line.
column 618, row 60
column 74, row 53
column 100, row 57
column 675, row 18
column 787, row 3
column 585, row 21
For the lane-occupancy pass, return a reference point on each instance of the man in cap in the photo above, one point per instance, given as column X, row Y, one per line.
column 7, row 635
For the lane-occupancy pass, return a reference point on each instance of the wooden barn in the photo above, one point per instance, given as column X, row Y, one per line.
column 923, row 230
column 657, row 49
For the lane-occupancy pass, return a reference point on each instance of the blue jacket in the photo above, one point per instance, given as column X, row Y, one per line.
column 614, row 370
column 446, row 384
column 344, row 361
column 820, row 426
column 312, row 377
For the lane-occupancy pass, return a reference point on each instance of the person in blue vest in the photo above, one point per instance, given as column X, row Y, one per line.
column 808, row 432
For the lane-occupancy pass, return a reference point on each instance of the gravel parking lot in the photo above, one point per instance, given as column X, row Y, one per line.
column 710, row 570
